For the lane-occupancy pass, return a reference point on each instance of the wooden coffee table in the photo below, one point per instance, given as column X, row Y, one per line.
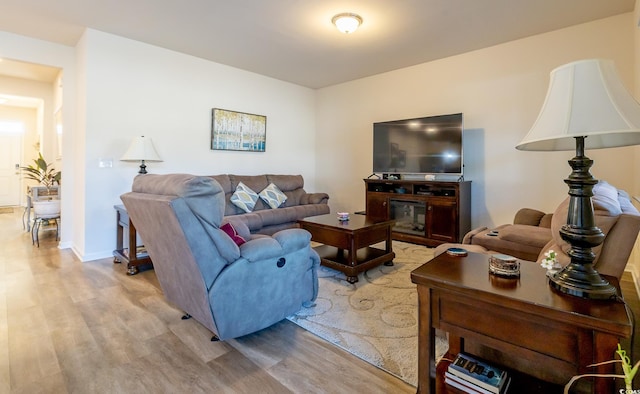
column 521, row 324
column 346, row 245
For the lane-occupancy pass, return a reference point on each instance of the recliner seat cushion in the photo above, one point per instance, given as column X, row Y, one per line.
column 527, row 235
column 498, row 243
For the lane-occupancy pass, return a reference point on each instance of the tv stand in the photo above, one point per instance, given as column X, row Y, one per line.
column 426, row 212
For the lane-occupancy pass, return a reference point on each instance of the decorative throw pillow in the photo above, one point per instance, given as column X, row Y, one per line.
column 244, row 198
column 231, row 232
column 273, row 196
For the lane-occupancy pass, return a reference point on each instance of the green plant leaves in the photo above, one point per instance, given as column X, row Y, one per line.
column 42, row 172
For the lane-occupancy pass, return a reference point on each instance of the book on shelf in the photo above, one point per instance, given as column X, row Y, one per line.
column 468, row 387
column 479, row 373
column 141, row 252
column 463, row 385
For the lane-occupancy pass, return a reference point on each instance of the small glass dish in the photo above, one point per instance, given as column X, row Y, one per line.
column 343, row 216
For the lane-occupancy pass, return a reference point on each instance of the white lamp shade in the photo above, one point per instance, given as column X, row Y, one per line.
column 141, row 148
column 585, row 98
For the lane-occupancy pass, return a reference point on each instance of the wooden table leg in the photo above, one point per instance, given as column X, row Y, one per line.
column 427, row 341
column 388, row 247
column 119, row 236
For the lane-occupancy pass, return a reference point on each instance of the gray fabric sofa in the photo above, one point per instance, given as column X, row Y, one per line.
column 263, row 219
column 232, row 289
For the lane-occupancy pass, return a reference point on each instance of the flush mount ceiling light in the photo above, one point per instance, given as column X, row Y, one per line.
column 347, row 22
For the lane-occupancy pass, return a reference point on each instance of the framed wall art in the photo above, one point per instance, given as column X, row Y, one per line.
column 231, row 130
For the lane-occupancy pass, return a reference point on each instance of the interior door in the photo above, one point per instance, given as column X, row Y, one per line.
column 10, row 147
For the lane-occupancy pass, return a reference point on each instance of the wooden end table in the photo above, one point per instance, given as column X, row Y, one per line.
column 522, row 323
column 139, row 257
column 346, row 245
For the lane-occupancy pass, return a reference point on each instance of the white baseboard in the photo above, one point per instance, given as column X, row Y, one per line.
column 96, row 256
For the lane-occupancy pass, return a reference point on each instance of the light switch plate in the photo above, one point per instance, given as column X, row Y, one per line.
column 105, row 162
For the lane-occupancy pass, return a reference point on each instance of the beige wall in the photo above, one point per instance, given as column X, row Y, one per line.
column 128, row 88
column 500, row 91
column 42, row 91
column 634, row 264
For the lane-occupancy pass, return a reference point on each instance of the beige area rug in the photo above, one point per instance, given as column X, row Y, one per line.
column 376, row 318
column 6, row 209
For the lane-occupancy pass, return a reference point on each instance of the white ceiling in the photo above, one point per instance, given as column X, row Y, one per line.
column 294, row 40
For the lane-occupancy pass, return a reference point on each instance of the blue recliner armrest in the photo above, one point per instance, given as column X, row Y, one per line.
column 281, row 243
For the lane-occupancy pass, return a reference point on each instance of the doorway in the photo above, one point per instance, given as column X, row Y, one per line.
column 30, row 94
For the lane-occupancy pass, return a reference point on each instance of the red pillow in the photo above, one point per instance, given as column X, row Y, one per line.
column 231, row 231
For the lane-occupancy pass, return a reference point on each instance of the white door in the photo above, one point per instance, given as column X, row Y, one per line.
column 10, row 147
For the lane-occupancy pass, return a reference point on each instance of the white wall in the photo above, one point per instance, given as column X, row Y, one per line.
column 130, row 89
column 500, row 91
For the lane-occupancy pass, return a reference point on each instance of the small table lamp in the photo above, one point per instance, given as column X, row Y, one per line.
column 141, row 149
column 586, row 107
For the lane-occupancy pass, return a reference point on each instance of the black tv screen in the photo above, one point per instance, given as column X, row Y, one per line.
column 429, row 145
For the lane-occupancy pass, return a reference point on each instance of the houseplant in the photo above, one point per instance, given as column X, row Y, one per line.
column 42, row 172
column 46, row 175
column 628, row 372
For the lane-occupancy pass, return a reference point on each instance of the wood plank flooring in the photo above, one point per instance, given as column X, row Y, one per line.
column 72, row 327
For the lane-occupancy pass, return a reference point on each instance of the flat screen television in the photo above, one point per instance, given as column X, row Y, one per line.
column 429, row 145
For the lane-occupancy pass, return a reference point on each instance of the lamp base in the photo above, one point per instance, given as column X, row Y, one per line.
column 143, row 168
column 576, row 281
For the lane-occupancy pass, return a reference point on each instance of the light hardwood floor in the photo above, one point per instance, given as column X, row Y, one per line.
column 72, row 327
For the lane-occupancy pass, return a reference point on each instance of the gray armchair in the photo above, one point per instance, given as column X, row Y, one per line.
column 232, row 290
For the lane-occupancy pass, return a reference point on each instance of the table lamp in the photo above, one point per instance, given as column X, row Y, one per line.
column 586, row 106
column 141, row 149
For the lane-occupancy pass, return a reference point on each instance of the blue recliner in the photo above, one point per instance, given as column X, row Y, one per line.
column 232, row 290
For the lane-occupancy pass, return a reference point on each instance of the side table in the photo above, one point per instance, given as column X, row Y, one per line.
column 520, row 323
column 122, row 254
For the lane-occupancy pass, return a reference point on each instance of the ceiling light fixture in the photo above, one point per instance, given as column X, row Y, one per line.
column 347, row 22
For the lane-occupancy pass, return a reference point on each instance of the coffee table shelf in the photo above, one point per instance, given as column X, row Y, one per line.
column 338, row 259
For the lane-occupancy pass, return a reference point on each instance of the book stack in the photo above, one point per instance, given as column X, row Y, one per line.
column 141, row 252
column 471, row 375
